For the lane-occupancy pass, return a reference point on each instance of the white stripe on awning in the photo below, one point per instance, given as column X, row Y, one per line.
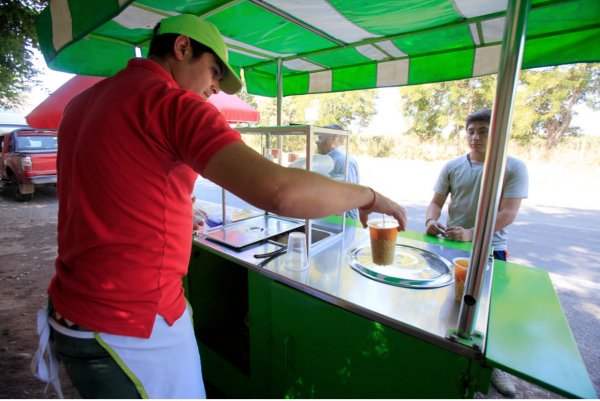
column 302, row 65
column 139, row 18
column 474, row 33
column 390, row 48
column 392, row 73
column 319, row 82
column 493, row 30
column 265, row 53
column 371, row 52
column 321, row 15
column 476, row 8
column 487, row 60
column 230, row 49
column 62, row 24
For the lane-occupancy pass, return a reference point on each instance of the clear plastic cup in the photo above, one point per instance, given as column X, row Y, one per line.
column 383, row 233
column 461, row 266
column 296, row 257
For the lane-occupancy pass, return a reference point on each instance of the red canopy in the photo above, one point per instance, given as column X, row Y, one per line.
column 48, row 113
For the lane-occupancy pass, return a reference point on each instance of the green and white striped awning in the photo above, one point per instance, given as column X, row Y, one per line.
column 327, row 46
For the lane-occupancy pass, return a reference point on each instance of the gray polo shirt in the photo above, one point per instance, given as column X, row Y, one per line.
column 339, row 160
column 461, row 178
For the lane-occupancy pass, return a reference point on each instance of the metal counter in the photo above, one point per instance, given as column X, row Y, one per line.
column 428, row 314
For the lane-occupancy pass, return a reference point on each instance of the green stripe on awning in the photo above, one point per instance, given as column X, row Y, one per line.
column 427, row 41
column 391, row 17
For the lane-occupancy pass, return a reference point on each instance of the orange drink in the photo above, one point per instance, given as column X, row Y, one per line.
column 383, row 234
column 461, row 265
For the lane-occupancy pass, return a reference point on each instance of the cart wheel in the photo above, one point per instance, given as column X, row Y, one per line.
column 20, row 197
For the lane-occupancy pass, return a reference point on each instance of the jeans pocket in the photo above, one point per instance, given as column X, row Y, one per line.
column 92, row 369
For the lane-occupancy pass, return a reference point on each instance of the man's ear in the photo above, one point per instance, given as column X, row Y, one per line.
column 181, row 46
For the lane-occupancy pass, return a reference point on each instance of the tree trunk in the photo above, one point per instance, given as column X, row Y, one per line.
column 557, row 131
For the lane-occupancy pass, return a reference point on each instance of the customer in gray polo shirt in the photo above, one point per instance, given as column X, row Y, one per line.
column 461, row 179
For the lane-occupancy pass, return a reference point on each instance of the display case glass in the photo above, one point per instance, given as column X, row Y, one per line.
column 233, row 222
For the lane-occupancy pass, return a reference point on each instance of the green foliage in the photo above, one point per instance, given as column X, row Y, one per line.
column 246, row 97
column 267, row 108
column 546, row 100
column 342, row 108
column 544, row 104
column 17, row 41
column 577, row 152
column 431, row 108
column 373, row 146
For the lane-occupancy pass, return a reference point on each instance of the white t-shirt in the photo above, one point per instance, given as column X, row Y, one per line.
column 461, row 178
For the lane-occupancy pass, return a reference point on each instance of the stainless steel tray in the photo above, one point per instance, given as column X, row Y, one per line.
column 413, row 267
column 246, row 232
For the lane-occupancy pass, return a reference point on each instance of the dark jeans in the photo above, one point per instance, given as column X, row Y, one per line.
column 94, row 373
column 501, row 255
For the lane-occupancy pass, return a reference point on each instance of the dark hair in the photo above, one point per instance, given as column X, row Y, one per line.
column 484, row 115
column 162, row 45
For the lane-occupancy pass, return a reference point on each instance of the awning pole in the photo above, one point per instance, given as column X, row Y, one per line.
column 495, row 161
column 279, row 90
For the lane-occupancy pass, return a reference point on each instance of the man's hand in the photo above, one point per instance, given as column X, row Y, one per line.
column 461, row 234
column 383, row 204
column 434, row 227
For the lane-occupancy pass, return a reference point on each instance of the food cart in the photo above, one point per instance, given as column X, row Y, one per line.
column 331, row 330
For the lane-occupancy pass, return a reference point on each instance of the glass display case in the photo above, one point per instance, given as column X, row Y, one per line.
column 239, row 225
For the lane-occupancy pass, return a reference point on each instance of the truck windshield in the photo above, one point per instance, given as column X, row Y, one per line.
column 28, row 143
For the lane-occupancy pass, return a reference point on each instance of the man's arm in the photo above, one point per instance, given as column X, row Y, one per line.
column 292, row 192
column 433, row 213
column 507, row 212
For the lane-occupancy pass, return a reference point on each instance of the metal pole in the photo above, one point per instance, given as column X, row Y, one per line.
column 279, row 90
column 495, row 161
column 309, row 158
column 223, row 206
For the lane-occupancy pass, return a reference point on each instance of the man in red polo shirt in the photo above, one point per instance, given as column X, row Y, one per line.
column 130, row 149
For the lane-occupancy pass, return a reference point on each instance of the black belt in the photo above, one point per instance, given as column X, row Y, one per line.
column 61, row 320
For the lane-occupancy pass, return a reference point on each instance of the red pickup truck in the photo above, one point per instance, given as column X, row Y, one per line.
column 28, row 159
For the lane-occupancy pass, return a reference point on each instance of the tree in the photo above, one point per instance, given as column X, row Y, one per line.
column 433, row 107
column 547, row 99
column 341, row 108
column 267, row 107
column 246, row 97
column 17, row 41
column 544, row 103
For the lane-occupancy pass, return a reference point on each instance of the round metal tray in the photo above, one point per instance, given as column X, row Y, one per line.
column 412, row 267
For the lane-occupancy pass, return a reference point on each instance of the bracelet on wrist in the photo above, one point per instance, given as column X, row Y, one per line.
column 427, row 221
column 370, row 205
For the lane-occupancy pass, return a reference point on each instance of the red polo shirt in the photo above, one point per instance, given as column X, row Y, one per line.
column 130, row 149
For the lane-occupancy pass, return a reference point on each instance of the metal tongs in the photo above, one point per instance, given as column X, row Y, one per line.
column 269, row 256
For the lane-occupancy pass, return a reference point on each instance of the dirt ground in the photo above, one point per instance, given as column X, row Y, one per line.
column 27, row 253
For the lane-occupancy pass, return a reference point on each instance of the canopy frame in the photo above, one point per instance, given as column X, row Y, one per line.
column 495, row 162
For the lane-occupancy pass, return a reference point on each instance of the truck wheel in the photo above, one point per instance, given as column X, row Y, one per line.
column 20, row 197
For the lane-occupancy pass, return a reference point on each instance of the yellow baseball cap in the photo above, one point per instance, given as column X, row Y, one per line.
column 207, row 34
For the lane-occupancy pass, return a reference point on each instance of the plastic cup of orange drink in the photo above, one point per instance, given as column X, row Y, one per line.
column 461, row 265
column 383, row 232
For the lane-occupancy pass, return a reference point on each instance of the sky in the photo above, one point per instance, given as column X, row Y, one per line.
column 388, row 120
column 51, row 80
